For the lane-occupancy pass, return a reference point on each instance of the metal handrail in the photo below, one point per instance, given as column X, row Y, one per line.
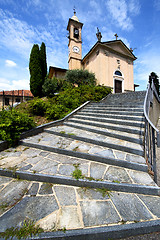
column 150, row 130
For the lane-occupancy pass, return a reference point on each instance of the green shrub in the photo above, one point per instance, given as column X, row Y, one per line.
column 12, row 124
column 55, row 112
column 80, row 77
column 37, row 107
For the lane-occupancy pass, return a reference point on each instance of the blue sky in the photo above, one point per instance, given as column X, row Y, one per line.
column 23, row 23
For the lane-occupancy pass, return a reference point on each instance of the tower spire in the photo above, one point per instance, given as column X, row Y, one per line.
column 74, row 10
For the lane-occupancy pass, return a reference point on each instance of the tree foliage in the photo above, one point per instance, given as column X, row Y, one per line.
column 80, row 77
column 155, row 78
column 43, row 61
column 50, row 86
column 38, row 69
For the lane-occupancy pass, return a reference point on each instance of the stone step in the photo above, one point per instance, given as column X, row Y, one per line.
column 126, row 96
column 37, row 164
column 90, row 182
column 112, row 133
column 114, row 116
column 106, row 132
column 113, row 108
column 118, row 102
column 109, row 112
column 75, row 213
column 127, row 129
column 105, row 120
column 74, row 146
column 109, row 142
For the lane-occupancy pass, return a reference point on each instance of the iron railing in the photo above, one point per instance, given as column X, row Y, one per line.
column 151, row 133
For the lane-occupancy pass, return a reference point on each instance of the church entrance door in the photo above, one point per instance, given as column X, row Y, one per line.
column 118, row 86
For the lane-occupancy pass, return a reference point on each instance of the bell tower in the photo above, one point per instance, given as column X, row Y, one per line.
column 75, row 42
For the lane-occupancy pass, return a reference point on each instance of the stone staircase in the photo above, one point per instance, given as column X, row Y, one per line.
column 104, row 141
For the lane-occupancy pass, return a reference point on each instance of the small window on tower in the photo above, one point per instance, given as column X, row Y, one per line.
column 76, row 33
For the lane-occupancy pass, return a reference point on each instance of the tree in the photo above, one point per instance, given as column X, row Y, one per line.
column 43, row 61
column 38, row 69
column 80, row 77
column 155, row 78
column 49, row 87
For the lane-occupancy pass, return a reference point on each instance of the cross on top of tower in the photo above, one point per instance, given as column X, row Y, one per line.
column 116, row 36
column 74, row 10
column 99, row 35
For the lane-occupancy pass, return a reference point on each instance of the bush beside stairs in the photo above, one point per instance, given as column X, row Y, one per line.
column 87, row 175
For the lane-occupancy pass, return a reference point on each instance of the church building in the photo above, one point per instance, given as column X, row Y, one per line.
column 111, row 61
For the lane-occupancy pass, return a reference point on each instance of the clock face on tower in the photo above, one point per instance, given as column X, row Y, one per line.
column 76, row 49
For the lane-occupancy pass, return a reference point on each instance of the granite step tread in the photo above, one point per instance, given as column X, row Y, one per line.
column 113, row 126
column 103, row 131
column 110, row 120
column 85, row 145
column 95, row 134
column 114, row 107
column 133, row 113
column 69, row 207
column 112, row 116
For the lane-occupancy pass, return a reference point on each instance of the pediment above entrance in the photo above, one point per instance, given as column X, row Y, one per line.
column 119, row 47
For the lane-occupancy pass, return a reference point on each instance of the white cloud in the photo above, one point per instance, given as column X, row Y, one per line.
column 120, row 9
column 134, row 7
column 5, row 84
column 10, row 63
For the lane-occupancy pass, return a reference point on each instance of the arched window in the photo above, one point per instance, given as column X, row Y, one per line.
column 118, row 73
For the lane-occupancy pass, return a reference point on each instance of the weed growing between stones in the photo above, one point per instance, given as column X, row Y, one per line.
column 77, row 173
column 3, row 206
column 25, row 149
column 27, row 229
column 62, row 132
column 71, row 134
column 116, row 181
column 75, row 149
column 13, row 170
column 104, row 192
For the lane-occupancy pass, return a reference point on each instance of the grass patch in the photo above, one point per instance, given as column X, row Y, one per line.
column 28, row 229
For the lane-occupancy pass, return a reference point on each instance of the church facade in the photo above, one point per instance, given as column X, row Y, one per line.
column 112, row 61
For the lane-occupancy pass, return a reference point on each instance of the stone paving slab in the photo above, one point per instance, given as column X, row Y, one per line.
column 38, row 161
column 58, row 206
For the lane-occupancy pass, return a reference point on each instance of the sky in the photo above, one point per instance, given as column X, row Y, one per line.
column 24, row 23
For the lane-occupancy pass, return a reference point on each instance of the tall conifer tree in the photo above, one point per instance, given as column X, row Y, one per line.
column 43, row 61
column 36, row 80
